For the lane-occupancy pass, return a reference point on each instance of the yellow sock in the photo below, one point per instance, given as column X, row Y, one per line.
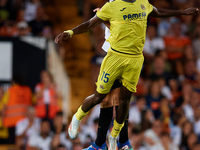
column 80, row 113
column 116, row 129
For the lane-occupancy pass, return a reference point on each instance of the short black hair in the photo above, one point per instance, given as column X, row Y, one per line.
column 60, row 113
column 165, row 134
column 96, row 121
column 60, row 145
column 135, row 131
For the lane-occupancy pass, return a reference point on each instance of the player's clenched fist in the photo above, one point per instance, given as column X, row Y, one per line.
column 62, row 37
column 191, row 11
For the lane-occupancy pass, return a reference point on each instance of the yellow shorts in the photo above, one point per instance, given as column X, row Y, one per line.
column 125, row 67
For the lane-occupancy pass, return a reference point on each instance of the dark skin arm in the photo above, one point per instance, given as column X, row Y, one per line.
column 162, row 13
column 90, row 24
column 84, row 27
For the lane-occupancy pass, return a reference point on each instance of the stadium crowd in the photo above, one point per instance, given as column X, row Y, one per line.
column 164, row 113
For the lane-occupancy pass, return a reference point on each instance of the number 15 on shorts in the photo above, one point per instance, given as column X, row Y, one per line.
column 105, row 77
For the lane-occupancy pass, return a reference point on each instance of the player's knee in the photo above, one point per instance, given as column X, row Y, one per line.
column 98, row 98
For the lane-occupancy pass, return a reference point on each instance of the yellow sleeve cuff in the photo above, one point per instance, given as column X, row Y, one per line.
column 70, row 32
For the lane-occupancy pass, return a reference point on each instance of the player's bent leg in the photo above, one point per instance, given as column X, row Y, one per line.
column 122, row 112
column 123, row 143
column 83, row 110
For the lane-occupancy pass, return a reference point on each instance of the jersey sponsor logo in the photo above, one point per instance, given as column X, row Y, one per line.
column 123, row 9
column 143, row 7
column 131, row 17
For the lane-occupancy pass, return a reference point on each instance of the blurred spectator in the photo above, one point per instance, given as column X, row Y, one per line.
column 174, row 90
column 152, row 43
column 196, row 84
column 197, row 122
column 188, row 53
column 165, row 90
column 31, row 7
column 26, row 128
column 176, row 130
column 55, row 142
column 135, row 116
column 147, row 119
column 159, row 70
column 89, row 133
column 174, row 46
column 136, row 140
column 42, row 140
column 154, row 98
column 61, row 147
column 196, row 46
column 151, row 136
column 47, row 98
column 190, row 71
column 165, row 114
column 165, row 143
column 184, row 98
column 77, row 146
column 5, row 11
column 8, row 29
column 164, row 27
column 191, row 140
column 186, row 131
column 41, row 26
column 58, row 125
column 22, row 29
column 190, row 107
column 64, row 139
column 16, row 102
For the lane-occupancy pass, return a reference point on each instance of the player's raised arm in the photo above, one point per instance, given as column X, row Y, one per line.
column 161, row 13
column 84, row 27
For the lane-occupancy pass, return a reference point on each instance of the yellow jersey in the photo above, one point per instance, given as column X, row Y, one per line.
column 128, row 23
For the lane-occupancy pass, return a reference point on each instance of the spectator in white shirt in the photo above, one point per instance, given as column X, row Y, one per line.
column 65, row 140
column 135, row 116
column 189, row 108
column 165, row 143
column 152, row 43
column 31, row 9
column 136, row 140
column 41, row 141
column 176, row 131
column 197, row 122
column 27, row 127
column 151, row 136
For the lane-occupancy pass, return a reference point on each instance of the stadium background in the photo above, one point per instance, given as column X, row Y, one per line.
column 168, row 89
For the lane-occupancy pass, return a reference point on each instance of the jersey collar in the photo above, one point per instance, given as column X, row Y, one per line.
column 129, row 1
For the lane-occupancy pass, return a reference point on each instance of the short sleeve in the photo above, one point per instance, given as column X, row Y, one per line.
column 105, row 12
column 149, row 8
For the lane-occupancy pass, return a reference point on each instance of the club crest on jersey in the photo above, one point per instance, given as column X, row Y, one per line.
column 101, row 87
column 143, row 7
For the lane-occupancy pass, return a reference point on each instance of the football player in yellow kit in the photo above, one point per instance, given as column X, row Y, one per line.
column 124, row 60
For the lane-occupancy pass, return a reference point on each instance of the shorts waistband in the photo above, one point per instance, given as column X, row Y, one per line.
column 124, row 52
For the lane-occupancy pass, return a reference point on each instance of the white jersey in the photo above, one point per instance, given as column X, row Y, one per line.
column 106, row 45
